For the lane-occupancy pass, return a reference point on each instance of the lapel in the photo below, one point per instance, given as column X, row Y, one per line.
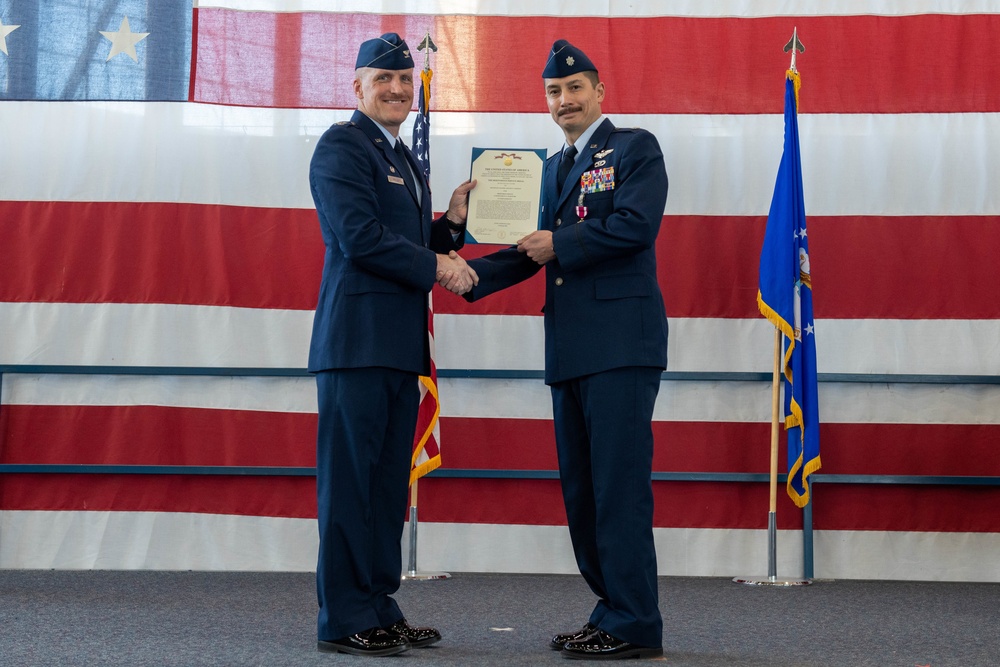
column 388, row 151
column 583, row 162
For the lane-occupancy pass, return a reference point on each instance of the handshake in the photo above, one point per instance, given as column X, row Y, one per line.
column 454, row 274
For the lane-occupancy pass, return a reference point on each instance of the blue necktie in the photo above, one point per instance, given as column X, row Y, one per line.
column 405, row 171
column 565, row 166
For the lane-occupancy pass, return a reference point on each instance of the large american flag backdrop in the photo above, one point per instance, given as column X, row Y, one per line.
column 155, row 213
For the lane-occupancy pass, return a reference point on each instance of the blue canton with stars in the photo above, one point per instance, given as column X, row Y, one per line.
column 422, row 133
column 117, row 50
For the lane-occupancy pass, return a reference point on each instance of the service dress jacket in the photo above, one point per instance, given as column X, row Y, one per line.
column 603, row 305
column 380, row 261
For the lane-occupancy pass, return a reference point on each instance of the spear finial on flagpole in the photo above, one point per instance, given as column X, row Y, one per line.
column 427, row 45
column 794, row 45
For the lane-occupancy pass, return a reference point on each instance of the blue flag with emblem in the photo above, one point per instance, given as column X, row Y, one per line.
column 785, row 299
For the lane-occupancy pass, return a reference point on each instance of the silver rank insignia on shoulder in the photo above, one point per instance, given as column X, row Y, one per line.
column 343, row 122
column 604, row 153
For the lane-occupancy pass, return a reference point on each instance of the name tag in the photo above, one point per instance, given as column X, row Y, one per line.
column 598, row 180
column 397, row 180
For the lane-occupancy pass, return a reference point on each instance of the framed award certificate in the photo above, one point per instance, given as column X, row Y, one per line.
column 505, row 205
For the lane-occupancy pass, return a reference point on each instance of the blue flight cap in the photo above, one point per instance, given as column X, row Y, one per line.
column 386, row 52
column 566, row 59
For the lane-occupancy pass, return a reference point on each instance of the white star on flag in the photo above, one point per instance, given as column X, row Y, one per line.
column 124, row 40
column 4, row 31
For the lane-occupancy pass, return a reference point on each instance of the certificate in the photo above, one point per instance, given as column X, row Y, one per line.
column 505, row 205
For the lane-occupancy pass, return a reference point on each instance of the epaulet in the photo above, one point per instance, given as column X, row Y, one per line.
column 627, row 129
column 344, row 122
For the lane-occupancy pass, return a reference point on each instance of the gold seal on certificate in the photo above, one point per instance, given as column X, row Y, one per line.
column 505, row 205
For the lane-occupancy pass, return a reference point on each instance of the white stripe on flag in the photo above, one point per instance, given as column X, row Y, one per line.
column 881, row 163
column 179, row 335
column 499, row 398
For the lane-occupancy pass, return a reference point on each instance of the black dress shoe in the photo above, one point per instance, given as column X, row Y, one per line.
column 374, row 641
column 558, row 641
column 418, row 637
column 602, row 646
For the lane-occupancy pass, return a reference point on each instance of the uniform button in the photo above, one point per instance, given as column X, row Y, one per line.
column 558, row 221
column 559, row 281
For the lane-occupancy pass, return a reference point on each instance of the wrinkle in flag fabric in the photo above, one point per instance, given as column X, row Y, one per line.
column 785, row 299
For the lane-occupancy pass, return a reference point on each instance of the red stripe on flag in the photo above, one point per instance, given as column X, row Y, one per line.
column 157, row 435
column 99, row 252
column 707, row 267
column 727, row 447
column 293, row 497
column 947, row 509
column 738, row 505
column 127, row 252
column 149, row 435
column 508, row 501
column 701, row 65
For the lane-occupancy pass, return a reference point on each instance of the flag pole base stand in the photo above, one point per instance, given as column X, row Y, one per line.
column 424, row 576
column 411, row 573
column 772, row 539
column 771, row 581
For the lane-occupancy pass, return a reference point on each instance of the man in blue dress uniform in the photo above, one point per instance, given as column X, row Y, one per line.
column 369, row 344
column 603, row 199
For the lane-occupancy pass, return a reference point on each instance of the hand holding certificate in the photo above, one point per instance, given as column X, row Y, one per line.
column 506, row 203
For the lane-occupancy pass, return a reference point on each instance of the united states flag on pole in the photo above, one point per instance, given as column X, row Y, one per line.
column 422, row 123
column 426, row 440
column 785, row 298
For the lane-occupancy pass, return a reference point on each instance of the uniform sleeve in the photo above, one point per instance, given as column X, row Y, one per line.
column 442, row 240
column 500, row 270
column 639, row 198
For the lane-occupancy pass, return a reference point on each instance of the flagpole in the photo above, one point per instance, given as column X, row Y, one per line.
column 411, row 568
column 772, row 514
column 412, row 574
column 772, row 521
